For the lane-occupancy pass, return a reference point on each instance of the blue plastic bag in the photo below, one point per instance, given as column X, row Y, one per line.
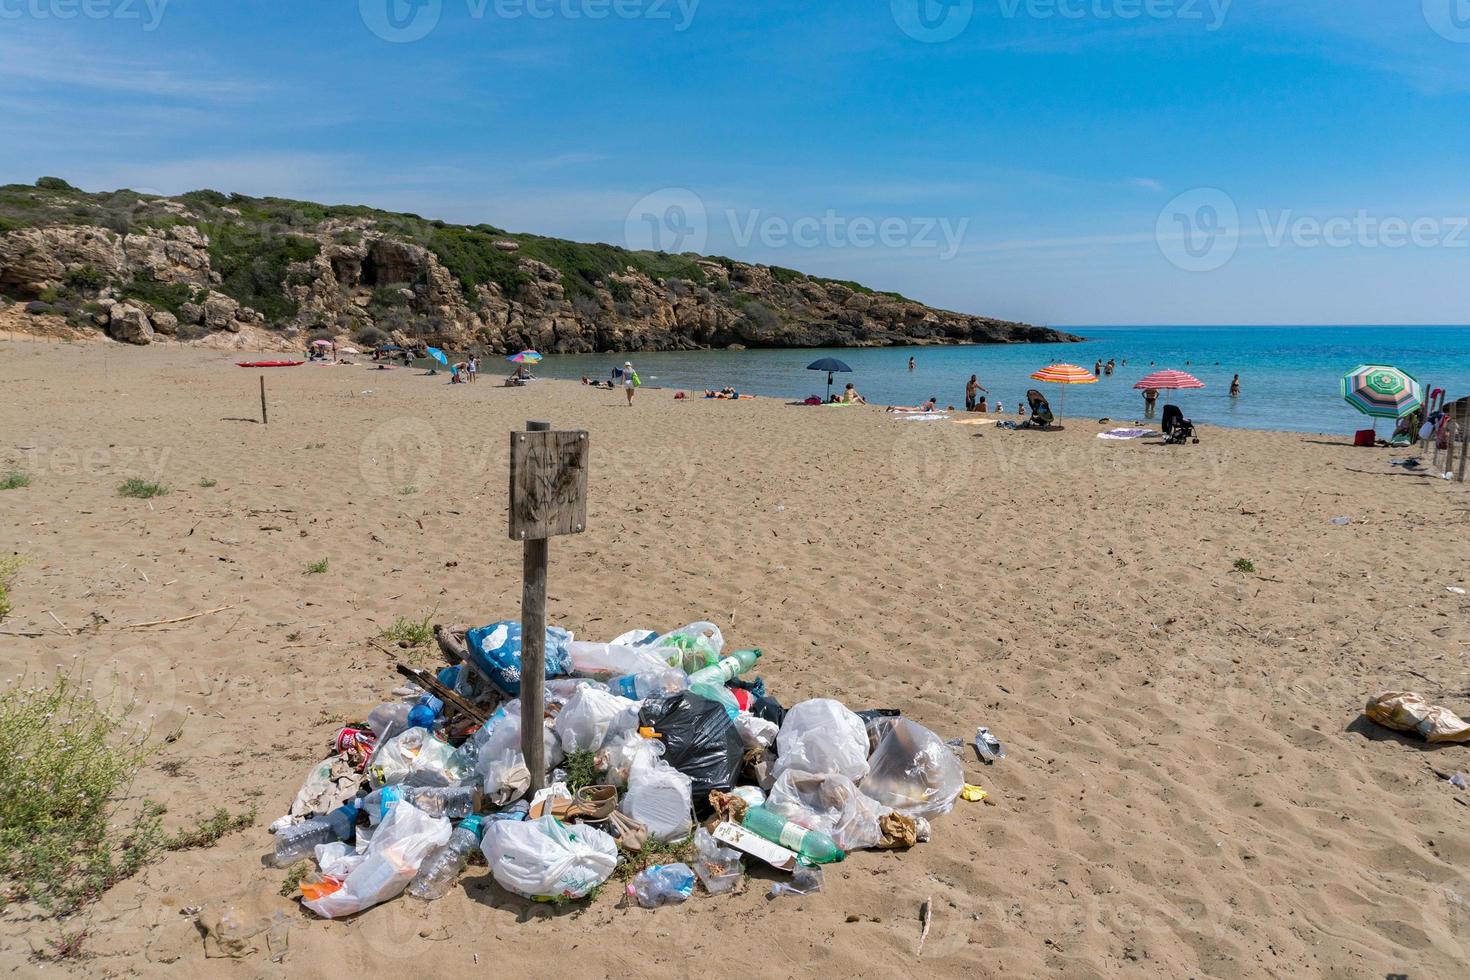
column 496, row 651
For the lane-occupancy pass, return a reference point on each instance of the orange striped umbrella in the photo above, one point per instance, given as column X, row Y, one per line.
column 1065, row 374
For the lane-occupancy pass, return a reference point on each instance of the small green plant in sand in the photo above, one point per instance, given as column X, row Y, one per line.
column 316, row 445
column 409, row 632
column 8, row 568
column 210, row 830
column 408, row 490
column 295, row 877
column 1245, row 565
column 581, row 767
column 655, row 852
column 141, row 489
column 206, row 483
column 317, row 567
column 64, row 946
column 14, row 480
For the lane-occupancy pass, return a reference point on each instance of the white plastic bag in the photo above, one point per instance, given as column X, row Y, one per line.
column 338, row 859
column 405, row 837
column 502, row 733
column 603, row 661
column 546, row 859
column 618, row 753
column 413, row 758
column 756, row 732
column 913, row 771
column 587, row 718
column 659, row 796
column 822, row 736
column 828, row 803
column 692, row 647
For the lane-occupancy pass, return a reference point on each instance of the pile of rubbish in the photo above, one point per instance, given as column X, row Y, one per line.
column 652, row 740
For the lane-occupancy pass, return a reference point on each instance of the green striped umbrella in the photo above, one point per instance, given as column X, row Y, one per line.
column 1382, row 392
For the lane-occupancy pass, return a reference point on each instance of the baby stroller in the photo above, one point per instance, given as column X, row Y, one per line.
column 1177, row 429
column 1041, row 414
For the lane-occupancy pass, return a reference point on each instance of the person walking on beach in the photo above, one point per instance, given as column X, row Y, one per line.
column 1150, row 402
column 972, row 389
column 629, row 381
column 1235, row 387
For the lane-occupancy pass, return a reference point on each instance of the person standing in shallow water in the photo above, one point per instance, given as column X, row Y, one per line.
column 972, row 392
column 1150, row 402
column 1235, row 387
column 912, row 363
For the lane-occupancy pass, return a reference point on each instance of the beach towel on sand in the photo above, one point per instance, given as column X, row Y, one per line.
column 921, row 417
column 1125, row 434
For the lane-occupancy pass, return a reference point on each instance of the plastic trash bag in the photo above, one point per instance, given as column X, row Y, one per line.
column 662, row 884
column 699, row 740
column 502, row 733
column 692, row 647
column 756, row 732
column 658, row 796
column 619, row 751
column 338, row 859
column 495, row 651
column 504, row 777
column 720, row 868
column 829, row 803
column 913, row 771
column 1404, row 711
column 545, row 859
column 589, row 715
column 405, row 837
column 413, row 758
column 604, row 661
column 636, row 638
column 822, row 736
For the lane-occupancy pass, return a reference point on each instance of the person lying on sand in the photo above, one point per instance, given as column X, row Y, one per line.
column 928, row 406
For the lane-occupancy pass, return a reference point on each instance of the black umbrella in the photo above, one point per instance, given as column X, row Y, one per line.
column 832, row 366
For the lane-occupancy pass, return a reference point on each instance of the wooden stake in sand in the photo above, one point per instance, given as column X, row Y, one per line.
column 264, row 418
column 548, row 497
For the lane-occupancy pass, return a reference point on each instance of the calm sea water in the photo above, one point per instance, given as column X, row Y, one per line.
column 1289, row 375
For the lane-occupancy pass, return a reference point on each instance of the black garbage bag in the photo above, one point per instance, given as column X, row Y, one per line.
column 769, row 709
column 699, row 740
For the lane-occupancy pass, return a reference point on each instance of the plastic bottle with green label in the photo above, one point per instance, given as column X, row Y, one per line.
column 727, row 669
column 814, row 846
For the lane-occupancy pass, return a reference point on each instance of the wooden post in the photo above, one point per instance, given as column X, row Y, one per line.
column 1464, row 445
column 548, row 497
column 264, row 419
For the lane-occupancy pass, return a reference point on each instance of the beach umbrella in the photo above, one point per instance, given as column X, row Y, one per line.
column 321, row 343
column 1382, row 392
column 438, row 355
column 1065, row 374
column 832, row 366
column 1170, row 381
column 525, row 357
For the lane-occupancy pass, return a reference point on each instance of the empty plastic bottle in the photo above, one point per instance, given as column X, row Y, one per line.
column 299, row 842
column 662, row 884
column 442, row 868
column 453, row 802
column 814, row 846
column 727, row 669
column 649, row 684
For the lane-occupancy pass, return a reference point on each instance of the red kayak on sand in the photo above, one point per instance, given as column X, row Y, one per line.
column 266, row 364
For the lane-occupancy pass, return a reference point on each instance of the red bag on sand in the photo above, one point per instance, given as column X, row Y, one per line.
column 1365, row 438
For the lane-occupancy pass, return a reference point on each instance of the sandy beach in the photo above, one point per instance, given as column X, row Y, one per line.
column 1190, row 788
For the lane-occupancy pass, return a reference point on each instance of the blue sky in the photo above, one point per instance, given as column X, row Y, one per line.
column 1054, row 161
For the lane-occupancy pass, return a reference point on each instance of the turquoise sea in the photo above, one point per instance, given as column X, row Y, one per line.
column 1289, row 375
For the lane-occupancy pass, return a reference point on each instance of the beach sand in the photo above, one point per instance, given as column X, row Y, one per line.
column 1189, row 791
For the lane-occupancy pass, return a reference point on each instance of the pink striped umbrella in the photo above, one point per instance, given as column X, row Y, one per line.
column 1169, row 381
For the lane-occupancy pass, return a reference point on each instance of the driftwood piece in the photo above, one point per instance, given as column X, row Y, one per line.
column 431, row 684
column 451, row 644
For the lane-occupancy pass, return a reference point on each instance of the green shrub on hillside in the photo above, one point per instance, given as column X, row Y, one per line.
column 252, row 266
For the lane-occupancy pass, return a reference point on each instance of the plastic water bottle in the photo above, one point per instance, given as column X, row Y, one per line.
column 814, row 846
column 453, row 802
column 299, row 842
column 727, row 669
column 641, row 687
column 442, row 868
column 662, row 884
column 426, row 713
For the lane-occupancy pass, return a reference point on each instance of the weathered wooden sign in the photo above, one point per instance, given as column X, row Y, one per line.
column 548, row 484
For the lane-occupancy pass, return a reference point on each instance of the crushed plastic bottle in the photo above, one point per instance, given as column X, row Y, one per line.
column 662, row 884
column 299, row 842
column 442, row 868
column 649, row 684
column 454, row 802
column 988, row 747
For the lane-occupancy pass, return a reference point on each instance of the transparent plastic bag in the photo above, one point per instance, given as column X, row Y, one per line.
column 662, row 884
column 502, row 733
column 913, row 771
column 589, row 715
column 413, row 758
column 604, row 661
column 822, row 736
column 619, row 751
column 718, row 866
column 545, row 859
column 659, row 797
column 403, row 840
column 829, row 803
column 692, row 647
column 756, row 732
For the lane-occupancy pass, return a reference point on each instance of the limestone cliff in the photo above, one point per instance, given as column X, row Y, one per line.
column 233, row 270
